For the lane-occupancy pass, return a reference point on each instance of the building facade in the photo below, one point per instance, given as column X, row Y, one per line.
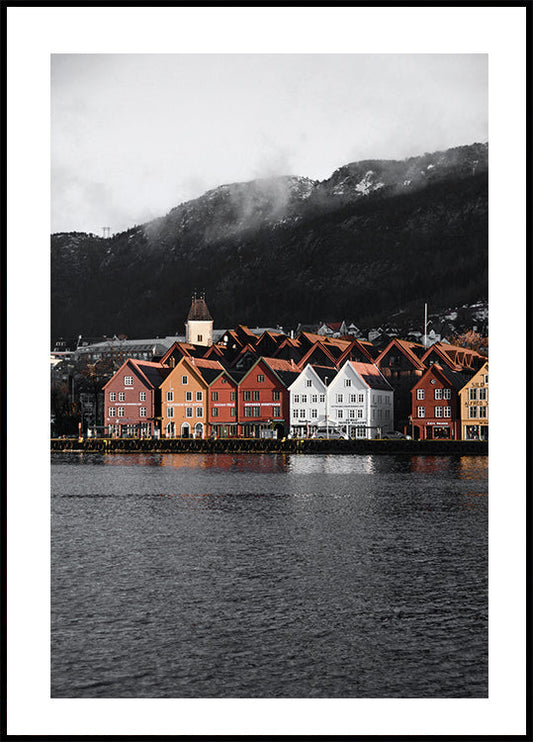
column 436, row 410
column 474, row 401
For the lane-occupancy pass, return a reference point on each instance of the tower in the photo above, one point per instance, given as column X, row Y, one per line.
column 199, row 325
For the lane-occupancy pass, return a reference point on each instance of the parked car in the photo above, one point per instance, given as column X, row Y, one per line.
column 332, row 434
column 395, row 435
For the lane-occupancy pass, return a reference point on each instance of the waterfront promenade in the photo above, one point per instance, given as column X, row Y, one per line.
column 259, row 445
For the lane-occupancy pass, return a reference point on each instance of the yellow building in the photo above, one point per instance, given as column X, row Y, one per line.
column 474, row 400
column 184, row 398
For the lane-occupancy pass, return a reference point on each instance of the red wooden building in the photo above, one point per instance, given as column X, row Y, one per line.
column 263, row 398
column 133, row 398
column 436, row 409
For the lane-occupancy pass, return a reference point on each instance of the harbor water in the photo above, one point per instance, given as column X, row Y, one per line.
column 269, row 576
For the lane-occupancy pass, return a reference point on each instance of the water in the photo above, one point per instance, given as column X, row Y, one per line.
column 269, row 576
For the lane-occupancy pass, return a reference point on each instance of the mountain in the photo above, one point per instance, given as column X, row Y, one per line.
column 376, row 237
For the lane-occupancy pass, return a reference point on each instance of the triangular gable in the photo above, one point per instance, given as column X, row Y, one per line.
column 370, row 374
column 437, row 354
column 405, row 348
column 355, row 352
column 317, row 355
column 247, row 350
column 177, row 351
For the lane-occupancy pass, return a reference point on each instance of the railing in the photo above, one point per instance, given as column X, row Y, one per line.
column 268, row 445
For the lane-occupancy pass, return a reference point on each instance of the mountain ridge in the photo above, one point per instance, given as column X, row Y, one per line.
column 370, row 218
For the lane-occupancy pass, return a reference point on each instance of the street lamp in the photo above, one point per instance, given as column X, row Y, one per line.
column 327, row 419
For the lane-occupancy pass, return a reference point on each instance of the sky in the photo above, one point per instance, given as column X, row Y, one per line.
column 133, row 135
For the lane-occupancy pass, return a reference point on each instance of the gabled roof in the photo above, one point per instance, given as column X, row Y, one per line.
column 407, row 348
column 318, row 349
column 371, row 375
column 207, row 369
column 456, row 379
column 355, row 347
column 153, row 374
column 246, row 349
column 178, row 348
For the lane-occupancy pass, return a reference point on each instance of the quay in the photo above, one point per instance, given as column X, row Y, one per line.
column 444, row 447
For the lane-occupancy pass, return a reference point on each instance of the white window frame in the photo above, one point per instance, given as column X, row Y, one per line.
column 420, row 393
column 128, row 381
column 420, row 412
column 142, row 412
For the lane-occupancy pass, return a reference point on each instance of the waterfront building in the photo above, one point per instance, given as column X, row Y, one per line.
column 401, row 364
column 436, row 410
column 184, row 397
column 474, row 400
column 132, row 401
column 308, row 400
column 263, row 398
column 222, row 406
column 361, row 401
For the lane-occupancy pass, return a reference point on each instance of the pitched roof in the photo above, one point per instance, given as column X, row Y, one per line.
column 407, row 347
column 198, row 310
column 152, row 373
column 371, row 375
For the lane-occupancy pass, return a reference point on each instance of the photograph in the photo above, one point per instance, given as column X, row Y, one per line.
column 264, row 433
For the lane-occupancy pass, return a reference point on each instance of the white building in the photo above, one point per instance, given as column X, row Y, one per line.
column 361, row 401
column 308, row 406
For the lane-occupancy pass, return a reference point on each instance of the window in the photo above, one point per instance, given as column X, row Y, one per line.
column 170, row 396
column 322, row 397
column 340, row 414
column 199, row 396
column 260, row 378
column 255, row 396
column 359, row 414
column 112, row 396
column 483, row 412
column 438, row 393
column 142, row 396
column 120, row 411
column 361, row 398
column 296, row 398
column 421, row 411
column 483, row 394
column 447, row 412
column 351, row 413
column 304, row 398
column 314, row 413
column 247, row 396
column 420, row 394
column 276, row 412
column 199, row 338
column 339, row 397
column 486, row 378
column 276, row 396
column 447, row 393
column 472, row 412
column 302, row 413
column 438, row 411
column 257, row 412
column 128, row 381
column 170, row 411
column 353, row 397
column 188, row 412
column 142, row 412
column 233, row 396
column 247, row 412
column 308, row 382
column 347, row 382
column 188, row 396
column 199, row 411
column 295, row 413
column 214, row 396
column 121, row 396
column 214, row 412
column 314, row 398
column 184, row 380
column 233, row 411
column 472, row 394
column 111, row 412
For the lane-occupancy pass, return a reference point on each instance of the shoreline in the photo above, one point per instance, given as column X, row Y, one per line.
column 253, row 445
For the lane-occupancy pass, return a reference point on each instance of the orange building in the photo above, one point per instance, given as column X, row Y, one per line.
column 184, row 398
column 474, row 400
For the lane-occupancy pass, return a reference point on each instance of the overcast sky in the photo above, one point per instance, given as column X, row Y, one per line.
column 135, row 135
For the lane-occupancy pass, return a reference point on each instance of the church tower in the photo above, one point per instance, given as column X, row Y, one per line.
column 199, row 325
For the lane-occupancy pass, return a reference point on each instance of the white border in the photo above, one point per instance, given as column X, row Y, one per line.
column 36, row 32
